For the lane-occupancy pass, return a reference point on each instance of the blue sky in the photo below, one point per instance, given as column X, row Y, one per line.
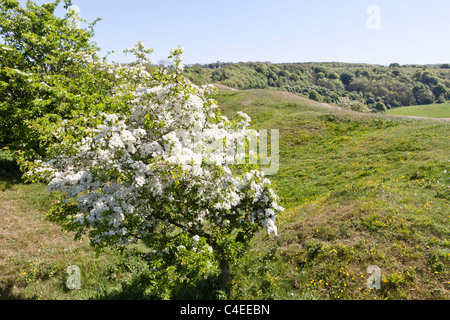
column 411, row 31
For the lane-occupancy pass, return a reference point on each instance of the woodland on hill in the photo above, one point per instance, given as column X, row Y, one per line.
column 361, row 87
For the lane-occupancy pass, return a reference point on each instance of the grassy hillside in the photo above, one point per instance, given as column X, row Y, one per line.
column 432, row 110
column 359, row 190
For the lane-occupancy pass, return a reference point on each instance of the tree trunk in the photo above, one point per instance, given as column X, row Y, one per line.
column 226, row 275
column 224, row 264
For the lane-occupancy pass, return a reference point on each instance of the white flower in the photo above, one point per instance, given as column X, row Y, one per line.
column 110, row 118
column 138, row 133
column 127, row 136
column 196, row 238
column 139, row 181
column 270, row 226
column 116, row 142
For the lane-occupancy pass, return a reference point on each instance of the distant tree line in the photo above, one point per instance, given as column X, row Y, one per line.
column 374, row 87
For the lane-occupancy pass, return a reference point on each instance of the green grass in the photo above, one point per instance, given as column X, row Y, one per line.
column 430, row 111
column 358, row 190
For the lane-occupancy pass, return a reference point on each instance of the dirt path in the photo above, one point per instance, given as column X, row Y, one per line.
column 222, row 87
column 293, row 96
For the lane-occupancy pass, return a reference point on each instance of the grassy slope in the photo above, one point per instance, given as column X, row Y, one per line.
column 34, row 253
column 431, row 110
column 358, row 190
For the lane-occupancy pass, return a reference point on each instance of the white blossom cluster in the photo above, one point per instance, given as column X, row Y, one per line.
column 157, row 169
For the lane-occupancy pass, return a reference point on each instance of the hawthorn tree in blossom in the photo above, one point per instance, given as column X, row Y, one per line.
column 155, row 174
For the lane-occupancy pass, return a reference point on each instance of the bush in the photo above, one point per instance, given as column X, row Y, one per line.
column 313, row 95
column 440, row 100
column 333, row 75
column 440, row 91
column 346, row 78
column 353, row 105
column 320, row 69
column 380, row 106
column 423, row 95
column 320, row 75
column 429, row 78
